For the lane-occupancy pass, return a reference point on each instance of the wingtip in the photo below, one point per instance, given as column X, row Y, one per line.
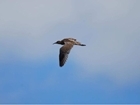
column 61, row 65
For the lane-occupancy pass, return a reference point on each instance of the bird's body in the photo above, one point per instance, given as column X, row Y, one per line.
column 67, row 43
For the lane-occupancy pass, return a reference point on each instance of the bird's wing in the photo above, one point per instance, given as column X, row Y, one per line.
column 72, row 39
column 64, row 51
column 69, row 39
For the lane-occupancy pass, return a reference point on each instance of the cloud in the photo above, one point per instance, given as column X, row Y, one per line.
column 112, row 47
column 109, row 28
column 25, row 25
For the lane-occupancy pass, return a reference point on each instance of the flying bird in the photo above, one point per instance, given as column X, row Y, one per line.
column 67, row 43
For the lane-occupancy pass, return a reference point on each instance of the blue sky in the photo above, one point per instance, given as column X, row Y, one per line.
column 105, row 71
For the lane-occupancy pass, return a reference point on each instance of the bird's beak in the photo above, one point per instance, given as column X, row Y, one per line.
column 54, row 43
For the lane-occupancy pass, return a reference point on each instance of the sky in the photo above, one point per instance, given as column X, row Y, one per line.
column 106, row 70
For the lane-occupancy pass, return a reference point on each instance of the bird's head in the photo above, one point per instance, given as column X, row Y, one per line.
column 58, row 42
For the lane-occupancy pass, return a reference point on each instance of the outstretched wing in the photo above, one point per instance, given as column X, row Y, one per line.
column 72, row 39
column 64, row 51
column 69, row 40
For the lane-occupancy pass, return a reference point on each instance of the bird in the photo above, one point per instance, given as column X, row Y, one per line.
column 67, row 43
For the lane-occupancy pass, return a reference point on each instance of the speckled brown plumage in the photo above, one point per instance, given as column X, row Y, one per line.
column 67, row 43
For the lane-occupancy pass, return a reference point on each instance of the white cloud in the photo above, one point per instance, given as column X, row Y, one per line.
column 28, row 29
column 25, row 25
column 112, row 49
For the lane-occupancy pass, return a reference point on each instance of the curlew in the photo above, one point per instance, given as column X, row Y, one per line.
column 67, row 43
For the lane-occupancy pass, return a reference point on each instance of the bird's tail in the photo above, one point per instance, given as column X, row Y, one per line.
column 82, row 45
column 78, row 43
